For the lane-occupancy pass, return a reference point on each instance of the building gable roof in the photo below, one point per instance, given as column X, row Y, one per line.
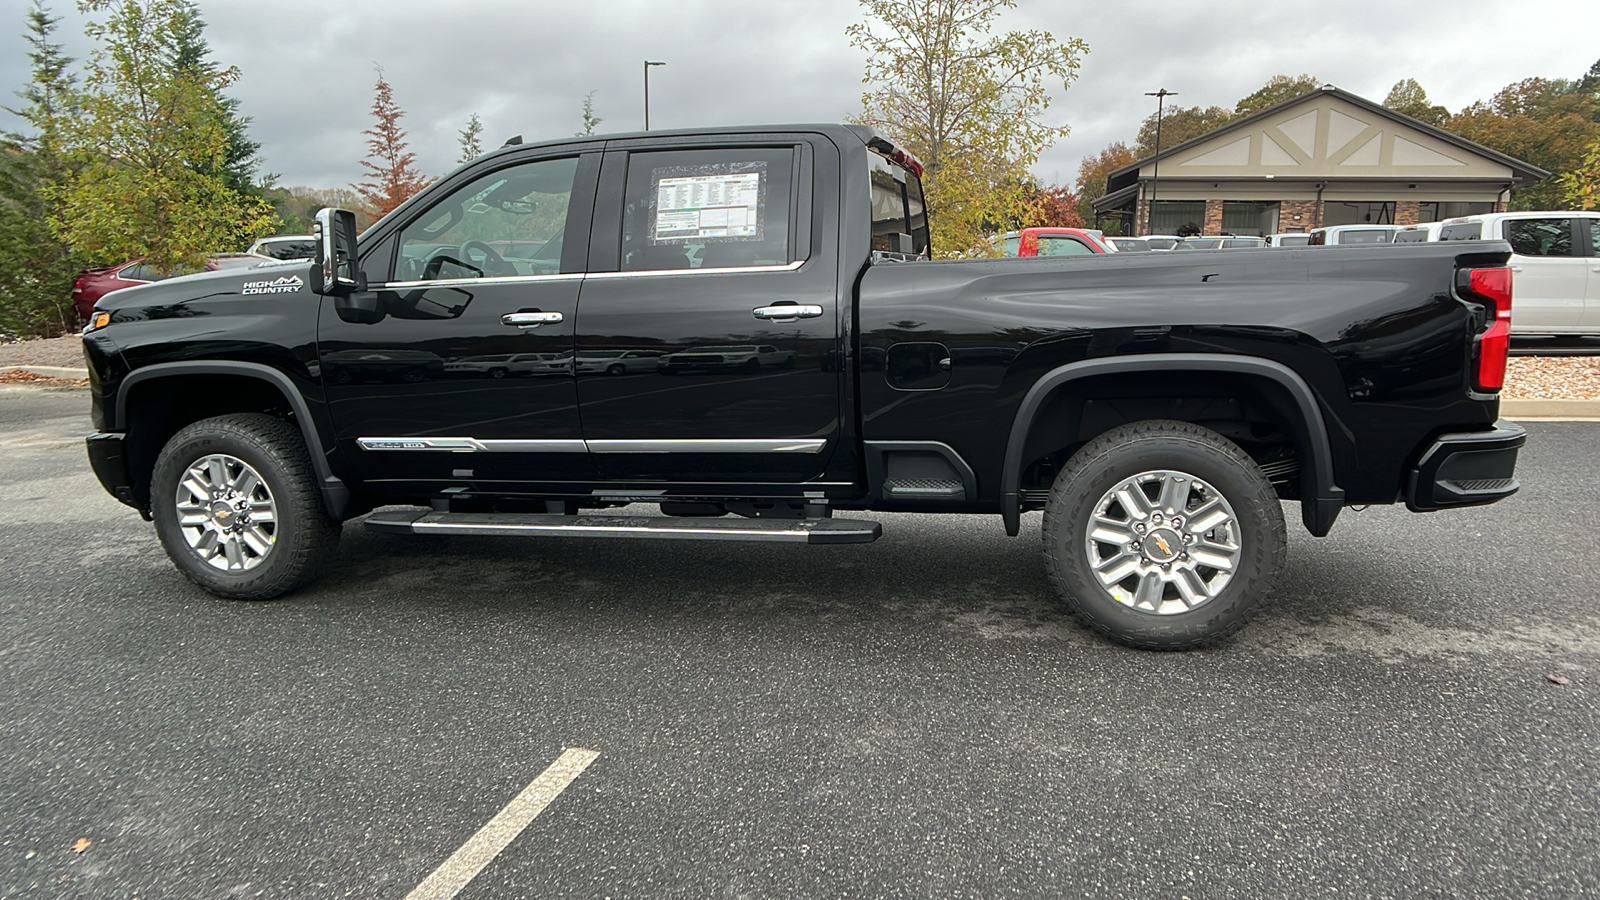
column 1367, row 140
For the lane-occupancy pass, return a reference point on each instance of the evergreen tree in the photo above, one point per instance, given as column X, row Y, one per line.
column 391, row 168
column 36, row 268
column 240, row 158
column 590, row 120
column 471, row 140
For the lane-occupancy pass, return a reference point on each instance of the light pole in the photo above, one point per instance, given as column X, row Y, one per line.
column 647, row 65
column 1155, row 173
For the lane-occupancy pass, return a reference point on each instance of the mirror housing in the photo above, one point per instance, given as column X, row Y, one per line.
column 334, row 272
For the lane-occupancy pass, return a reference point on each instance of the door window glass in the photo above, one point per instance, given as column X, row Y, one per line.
column 1540, row 237
column 1053, row 245
column 708, row 209
column 507, row 223
column 1594, row 237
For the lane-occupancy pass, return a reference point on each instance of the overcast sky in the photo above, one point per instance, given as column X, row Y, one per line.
column 525, row 65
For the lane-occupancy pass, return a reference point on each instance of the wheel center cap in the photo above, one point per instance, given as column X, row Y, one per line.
column 222, row 513
column 1163, row 545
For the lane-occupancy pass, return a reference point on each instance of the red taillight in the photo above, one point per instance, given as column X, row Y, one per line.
column 1493, row 287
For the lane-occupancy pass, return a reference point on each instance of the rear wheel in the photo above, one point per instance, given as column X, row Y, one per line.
column 236, row 507
column 1163, row 535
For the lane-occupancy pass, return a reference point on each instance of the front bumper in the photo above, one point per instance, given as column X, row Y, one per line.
column 110, row 465
column 1468, row 469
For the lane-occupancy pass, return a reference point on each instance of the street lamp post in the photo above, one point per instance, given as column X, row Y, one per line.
column 647, row 65
column 1155, row 173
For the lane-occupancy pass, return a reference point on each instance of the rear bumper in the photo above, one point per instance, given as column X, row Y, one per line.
column 1467, row 469
column 111, row 465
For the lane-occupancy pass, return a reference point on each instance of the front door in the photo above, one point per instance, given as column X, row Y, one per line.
column 467, row 380
column 703, row 258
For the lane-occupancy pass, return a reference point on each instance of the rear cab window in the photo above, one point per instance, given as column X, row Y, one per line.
column 899, row 213
column 1462, row 231
column 1540, row 237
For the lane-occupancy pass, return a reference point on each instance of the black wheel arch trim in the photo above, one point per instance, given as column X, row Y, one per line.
column 335, row 494
column 1319, row 506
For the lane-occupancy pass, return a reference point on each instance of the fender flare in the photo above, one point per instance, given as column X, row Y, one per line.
column 335, row 494
column 1319, row 506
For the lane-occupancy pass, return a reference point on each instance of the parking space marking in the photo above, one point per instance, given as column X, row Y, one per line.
column 480, row 849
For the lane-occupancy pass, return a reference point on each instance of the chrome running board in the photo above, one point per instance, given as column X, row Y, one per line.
column 799, row 531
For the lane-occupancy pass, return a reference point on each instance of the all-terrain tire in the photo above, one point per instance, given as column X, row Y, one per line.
column 1211, row 465
column 300, row 540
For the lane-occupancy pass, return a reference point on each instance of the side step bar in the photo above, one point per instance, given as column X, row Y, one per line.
column 800, row 531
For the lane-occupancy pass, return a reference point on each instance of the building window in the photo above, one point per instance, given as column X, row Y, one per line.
column 1358, row 212
column 1256, row 218
column 1167, row 216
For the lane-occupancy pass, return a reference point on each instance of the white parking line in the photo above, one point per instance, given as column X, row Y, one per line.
column 465, row 864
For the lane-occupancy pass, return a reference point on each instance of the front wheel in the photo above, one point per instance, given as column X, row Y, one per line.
column 236, row 506
column 1163, row 535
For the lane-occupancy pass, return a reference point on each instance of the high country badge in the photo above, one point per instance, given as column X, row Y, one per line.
column 288, row 284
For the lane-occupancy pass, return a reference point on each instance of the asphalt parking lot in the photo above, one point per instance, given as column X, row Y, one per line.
column 911, row 718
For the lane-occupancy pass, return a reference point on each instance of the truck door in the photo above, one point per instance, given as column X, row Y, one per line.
column 1550, row 275
column 467, row 379
column 709, row 256
column 1589, row 233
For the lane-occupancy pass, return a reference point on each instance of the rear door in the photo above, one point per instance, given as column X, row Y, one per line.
column 1550, row 274
column 709, row 246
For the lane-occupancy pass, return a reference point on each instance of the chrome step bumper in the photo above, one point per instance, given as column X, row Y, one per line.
column 798, row 531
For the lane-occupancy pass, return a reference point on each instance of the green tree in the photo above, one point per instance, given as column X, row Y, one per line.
column 1277, row 89
column 471, row 139
column 391, row 168
column 1179, row 124
column 1092, row 173
column 1544, row 121
column 146, row 144
column 296, row 207
column 1580, row 187
column 1409, row 99
column 36, row 268
column 240, row 162
column 969, row 103
column 590, row 120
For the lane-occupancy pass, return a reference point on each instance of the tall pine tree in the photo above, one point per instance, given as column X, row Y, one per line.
column 36, row 268
column 391, row 168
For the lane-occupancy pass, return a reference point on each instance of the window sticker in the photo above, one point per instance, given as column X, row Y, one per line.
column 709, row 206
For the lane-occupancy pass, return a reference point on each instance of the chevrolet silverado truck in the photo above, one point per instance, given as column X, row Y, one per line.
column 1157, row 408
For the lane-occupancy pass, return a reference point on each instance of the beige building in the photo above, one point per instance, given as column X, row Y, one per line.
column 1323, row 158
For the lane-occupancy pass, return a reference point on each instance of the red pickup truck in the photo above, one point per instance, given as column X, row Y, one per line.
column 1050, row 241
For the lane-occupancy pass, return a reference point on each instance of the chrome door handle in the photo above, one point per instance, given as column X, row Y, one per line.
column 787, row 311
column 530, row 319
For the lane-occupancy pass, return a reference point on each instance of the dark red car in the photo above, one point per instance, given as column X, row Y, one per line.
column 93, row 284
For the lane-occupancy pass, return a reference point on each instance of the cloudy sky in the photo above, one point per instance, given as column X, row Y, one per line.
column 525, row 65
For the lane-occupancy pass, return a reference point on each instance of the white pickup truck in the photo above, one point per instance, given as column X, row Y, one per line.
column 1555, row 266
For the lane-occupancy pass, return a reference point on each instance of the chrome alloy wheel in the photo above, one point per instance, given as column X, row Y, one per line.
column 1163, row 542
column 227, row 514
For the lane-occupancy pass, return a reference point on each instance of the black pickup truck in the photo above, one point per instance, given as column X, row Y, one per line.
column 743, row 327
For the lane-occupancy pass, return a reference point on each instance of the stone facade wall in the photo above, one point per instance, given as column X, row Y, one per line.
column 1310, row 215
column 1213, row 222
column 1407, row 212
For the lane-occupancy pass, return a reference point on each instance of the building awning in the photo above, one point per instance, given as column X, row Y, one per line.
column 1116, row 199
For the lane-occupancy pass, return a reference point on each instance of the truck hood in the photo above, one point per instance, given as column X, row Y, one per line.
column 268, row 281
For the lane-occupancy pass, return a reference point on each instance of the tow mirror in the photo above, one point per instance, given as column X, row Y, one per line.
column 335, row 273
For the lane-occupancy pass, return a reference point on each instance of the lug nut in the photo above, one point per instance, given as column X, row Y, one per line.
column 1139, row 528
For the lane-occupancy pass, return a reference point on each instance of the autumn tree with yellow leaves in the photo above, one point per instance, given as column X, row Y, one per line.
column 969, row 103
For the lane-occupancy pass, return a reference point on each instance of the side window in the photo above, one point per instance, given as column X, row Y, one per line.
column 509, row 222
column 1594, row 237
column 1052, row 245
column 1540, row 237
column 140, row 272
column 708, row 209
column 1471, row 231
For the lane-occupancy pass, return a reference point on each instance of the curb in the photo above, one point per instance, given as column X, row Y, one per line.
column 1550, row 409
column 63, row 372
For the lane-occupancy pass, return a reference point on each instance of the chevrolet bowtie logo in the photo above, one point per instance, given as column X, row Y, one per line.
column 1162, row 543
